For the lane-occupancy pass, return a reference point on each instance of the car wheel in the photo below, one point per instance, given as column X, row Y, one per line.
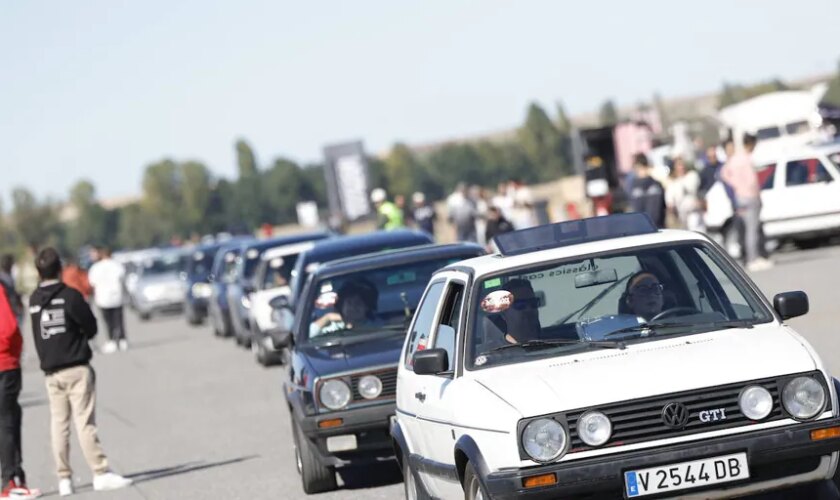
column 259, row 353
column 411, row 485
column 473, row 490
column 315, row 477
column 145, row 316
column 193, row 318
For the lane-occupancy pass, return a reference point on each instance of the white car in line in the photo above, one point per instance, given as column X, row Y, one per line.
column 271, row 281
column 604, row 358
column 800, row 196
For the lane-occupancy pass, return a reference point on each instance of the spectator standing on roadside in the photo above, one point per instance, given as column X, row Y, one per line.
column 62, row 325
column 503, row 200
column 462, row 213
column 478, row 197
column 389, row 216
column 7, row 281
column 106, row 278
column 739, row 173
column 407, row 216
column 424, row 214
column 11, row 414
column 710, row 173
column 77, row 278
column 496, row 224
column 681, row 196
column 647, row 195
column 522, row 215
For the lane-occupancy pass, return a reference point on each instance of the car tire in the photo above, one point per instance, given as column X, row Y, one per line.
column 260, row 354
column 315, row 477
column 145, row 316
column 473, row 490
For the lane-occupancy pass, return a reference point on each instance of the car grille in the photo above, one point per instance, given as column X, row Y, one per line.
column 388, row 376
column 641, row 420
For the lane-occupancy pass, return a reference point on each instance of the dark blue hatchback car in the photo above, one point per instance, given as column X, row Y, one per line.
column 346, row 339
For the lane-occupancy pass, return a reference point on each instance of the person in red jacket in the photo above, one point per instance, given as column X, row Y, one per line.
column 11, row 460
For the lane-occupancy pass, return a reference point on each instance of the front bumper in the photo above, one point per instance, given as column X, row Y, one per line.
column 370, row 425
column 169, row 304
column 772, row 454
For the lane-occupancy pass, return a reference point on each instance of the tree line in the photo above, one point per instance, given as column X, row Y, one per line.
column 182, row 200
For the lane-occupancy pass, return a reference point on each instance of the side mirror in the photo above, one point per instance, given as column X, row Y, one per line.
column 284, row 318
column 430, row 361
column 791, row 304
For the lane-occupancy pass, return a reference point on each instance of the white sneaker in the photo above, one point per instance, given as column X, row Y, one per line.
column 759, row 265
column 65, row 487
column 109, row 347
column 123, row 345
column 110, row 481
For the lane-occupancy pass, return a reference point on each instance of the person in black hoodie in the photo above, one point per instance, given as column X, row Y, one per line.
column 646, row 193
column 62, row 326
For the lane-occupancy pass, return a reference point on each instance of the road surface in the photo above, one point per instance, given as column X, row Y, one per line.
column 190, row 416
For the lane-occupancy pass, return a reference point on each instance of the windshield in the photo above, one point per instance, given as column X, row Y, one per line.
column 162, row 265
column 229, row 266
column 200, row 263
column 276, row 272
column 377, row 300
column 250, row 261
column 629, row 297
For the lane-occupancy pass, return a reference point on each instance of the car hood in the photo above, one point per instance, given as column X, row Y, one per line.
column 352, row 356
column 647, row 369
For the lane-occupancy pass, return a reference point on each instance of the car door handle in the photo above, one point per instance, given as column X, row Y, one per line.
column 421, row 396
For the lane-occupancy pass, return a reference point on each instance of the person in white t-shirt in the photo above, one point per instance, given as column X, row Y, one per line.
column 106, row 278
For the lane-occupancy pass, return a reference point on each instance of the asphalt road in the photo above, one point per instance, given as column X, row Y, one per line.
column 190, row 416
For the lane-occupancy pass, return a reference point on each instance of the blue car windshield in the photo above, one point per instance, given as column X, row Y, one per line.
column 382, row 299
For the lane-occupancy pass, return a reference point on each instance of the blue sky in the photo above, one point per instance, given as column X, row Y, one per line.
column 99, row 89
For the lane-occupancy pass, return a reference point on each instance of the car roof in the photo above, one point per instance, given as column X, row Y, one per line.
column 334, row 248
column 283, row 240
column 284, row 250
column 398, row 256
column 496, row 263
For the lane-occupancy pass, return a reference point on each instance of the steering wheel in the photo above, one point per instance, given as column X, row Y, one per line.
column 672, row 312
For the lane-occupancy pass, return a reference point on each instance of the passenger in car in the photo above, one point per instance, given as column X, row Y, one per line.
column 518, row 323
column 355, row 306
column 644, row 295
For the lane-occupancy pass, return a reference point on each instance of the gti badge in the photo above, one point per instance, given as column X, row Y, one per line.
column 715, row 415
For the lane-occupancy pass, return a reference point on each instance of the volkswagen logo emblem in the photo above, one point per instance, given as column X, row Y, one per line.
column 675, row 415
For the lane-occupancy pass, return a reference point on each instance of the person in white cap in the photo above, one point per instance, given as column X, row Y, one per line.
column 424, row 215
column 389, row 215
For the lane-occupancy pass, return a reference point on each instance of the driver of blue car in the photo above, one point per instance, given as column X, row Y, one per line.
column 355, row 306
column 644, row 295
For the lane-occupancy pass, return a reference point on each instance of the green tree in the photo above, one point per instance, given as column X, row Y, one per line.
column 543, row 144
column 162, row 200
column 403, row 172
column 195, row 196
column 314, row 184
column 281, row 187
column 36, row 223
column 454, row 163
column 90, row 225
column 246, row 161
column 832, row 95
column 608, row 115
column 137, row 229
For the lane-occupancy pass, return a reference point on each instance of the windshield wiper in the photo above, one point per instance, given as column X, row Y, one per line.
column 652, row 327
column 540, row 344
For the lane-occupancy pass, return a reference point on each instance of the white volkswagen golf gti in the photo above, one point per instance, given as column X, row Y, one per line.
column 604, row 358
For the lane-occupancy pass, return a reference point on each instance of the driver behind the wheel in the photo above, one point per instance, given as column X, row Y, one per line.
column 644, row 295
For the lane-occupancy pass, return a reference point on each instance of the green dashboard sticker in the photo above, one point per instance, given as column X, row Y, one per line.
column 492, row 283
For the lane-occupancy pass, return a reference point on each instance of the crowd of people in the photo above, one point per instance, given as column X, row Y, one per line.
column 476, row 214
column 683, row 195
column 63, row 326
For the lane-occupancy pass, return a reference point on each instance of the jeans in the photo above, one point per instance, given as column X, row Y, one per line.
column 11, row 459
column 749, row 210
column 114, row 322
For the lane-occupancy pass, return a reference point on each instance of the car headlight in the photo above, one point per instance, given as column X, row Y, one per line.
column 334, row 394
column 756, row 402
column 594, row 428
column 544, row 439
column 202, row 290
column 803, row 397
column 370, row 387
column 152, row 292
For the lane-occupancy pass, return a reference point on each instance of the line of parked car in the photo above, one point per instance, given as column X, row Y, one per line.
column 596, row 358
